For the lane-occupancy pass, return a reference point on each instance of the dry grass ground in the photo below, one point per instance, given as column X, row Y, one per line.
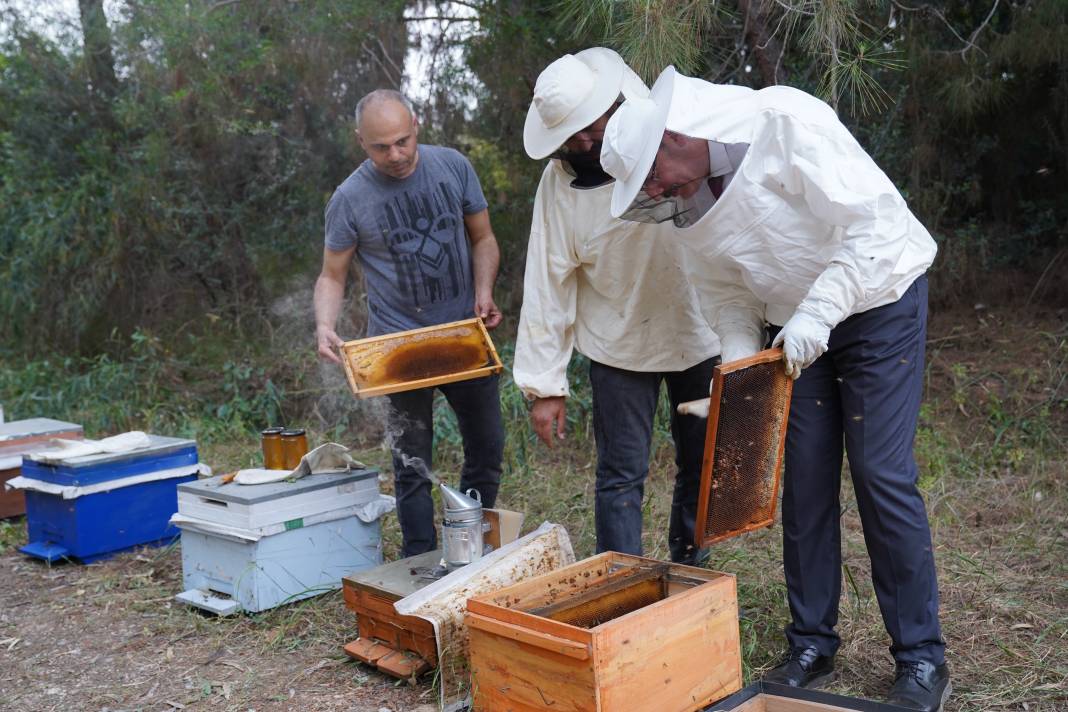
column 994, row 460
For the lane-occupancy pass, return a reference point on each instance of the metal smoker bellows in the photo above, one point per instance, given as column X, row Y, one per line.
column 462, row 528
column 743, row 447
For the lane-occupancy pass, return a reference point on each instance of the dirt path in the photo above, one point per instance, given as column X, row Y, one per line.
column 108, row 637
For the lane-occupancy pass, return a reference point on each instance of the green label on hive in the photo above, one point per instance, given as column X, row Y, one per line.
column 294, row 524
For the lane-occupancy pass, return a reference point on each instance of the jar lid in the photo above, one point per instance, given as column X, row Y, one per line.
column 277, row 430
column 292, row 432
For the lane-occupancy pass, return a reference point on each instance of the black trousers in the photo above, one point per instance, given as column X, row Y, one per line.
column 478, row 412
column 864, row 394
column 624, row 404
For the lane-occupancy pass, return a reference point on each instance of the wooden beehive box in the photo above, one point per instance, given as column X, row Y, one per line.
column 91, row 507
column 611, row 633
column 254, row 547
column 396, row 644
column 21, row 437
column 420, row 358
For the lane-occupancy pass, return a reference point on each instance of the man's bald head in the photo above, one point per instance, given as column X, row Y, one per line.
column 388, row 132
column 379, row 97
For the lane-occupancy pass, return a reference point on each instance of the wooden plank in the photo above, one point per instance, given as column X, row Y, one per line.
column 774, row 703
column 494, row 357
column 370, row 602
column 557, row 585
column 402, row 665
column 570, row 648
column 350, row 375
column 708, row 458
column 12, row 502
column 623, row 597
column 511, row 676
column 369, row 651
column 532, row 622
column 680, row 653
column 761, row 357
column 428, row 382
column 26, row 444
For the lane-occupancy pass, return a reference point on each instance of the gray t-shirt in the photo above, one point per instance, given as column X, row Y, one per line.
column 410, row 239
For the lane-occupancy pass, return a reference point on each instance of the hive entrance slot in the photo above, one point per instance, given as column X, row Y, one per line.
column 628, row 592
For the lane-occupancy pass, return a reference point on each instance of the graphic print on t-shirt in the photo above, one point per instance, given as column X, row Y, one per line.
column 424, row 234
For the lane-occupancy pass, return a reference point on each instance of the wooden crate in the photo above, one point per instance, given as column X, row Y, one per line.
column 402, row 646
column 420, row 358
column 21, row 437
column 611, row 633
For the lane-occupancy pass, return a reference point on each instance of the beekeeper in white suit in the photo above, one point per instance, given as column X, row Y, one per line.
column 616, row 291
column 804, row 220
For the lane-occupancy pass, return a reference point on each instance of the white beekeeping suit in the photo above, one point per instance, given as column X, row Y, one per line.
column 618, row 291
column 815, row 227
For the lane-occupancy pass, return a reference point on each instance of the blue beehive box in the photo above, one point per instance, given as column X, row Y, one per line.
column 95, row 506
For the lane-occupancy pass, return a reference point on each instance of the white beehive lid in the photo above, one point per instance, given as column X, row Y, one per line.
column 258, row 506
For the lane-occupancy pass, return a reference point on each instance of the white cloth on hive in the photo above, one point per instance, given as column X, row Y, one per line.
column 327, row 458
column 76, row 491
column 444, row 602
column 60, row 449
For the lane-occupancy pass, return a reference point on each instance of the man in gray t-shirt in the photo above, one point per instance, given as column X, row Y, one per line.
column 415, row 218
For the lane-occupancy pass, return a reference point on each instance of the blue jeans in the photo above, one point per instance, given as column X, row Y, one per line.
column 864, row 394
column 411, row 421
column 624, row 404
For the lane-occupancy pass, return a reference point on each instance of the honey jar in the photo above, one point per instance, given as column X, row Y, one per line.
column 271, row 440
column 294, row 447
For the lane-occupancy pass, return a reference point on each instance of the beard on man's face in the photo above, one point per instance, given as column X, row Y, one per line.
column 586, row 160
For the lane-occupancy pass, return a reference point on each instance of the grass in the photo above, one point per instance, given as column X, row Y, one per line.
column 992, row 448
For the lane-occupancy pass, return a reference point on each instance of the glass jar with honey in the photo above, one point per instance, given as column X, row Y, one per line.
column 273, row 457
column 294, row 447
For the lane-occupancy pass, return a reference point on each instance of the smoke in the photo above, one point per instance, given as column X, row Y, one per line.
column 332, row 405
column 336, row 406
column 417, row 464
column 395, row 427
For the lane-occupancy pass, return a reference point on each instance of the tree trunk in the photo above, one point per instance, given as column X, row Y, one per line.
column 765, row 48
column 98, row 58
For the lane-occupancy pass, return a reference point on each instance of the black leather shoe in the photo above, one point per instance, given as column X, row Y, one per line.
column 803, row 667
column 920, row 685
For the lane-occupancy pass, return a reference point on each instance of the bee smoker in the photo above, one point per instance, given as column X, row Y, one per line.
column 462, row 528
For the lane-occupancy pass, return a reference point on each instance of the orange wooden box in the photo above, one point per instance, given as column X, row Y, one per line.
column 611, row 633
column 420, row 358
column 21, row 437
column 402, row 646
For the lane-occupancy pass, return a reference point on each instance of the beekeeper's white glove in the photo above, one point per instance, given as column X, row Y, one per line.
column 698, row 407
column 803, row 339
column 736, row 347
